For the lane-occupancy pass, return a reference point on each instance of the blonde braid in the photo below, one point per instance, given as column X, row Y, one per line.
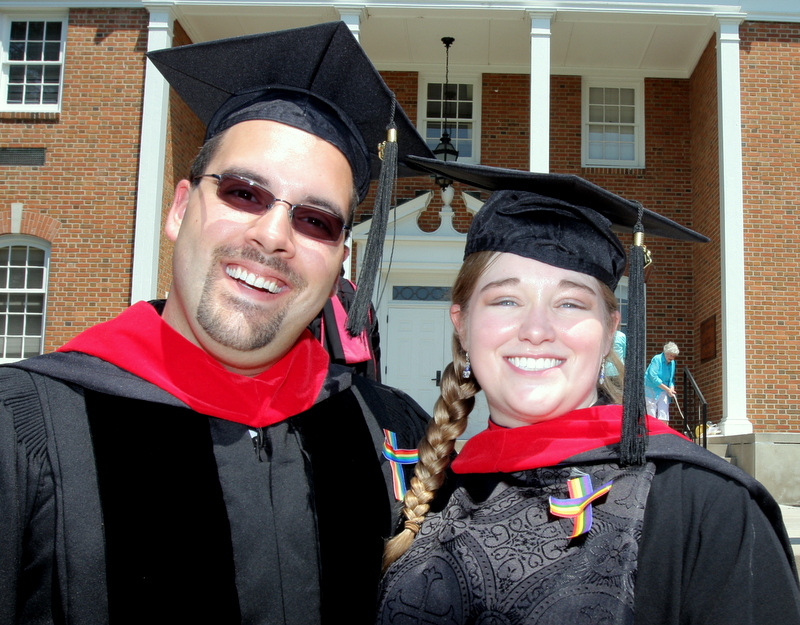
column 435, row 450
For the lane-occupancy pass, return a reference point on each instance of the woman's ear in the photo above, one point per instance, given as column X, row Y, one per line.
column 459, row 320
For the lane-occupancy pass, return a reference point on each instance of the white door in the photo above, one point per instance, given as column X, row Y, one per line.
column 418, row 347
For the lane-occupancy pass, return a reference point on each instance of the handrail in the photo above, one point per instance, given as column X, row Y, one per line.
column 694, row 405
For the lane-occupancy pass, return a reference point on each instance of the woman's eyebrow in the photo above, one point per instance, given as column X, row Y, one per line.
column 496, row 283
column 569, row 284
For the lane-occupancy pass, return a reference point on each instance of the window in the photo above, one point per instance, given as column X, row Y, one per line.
column 459, row 105
column 613, row 128
column 23, row 297
column 33, row 63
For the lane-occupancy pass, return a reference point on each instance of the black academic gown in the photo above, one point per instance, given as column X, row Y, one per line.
column 119, row 503
column 684, row 540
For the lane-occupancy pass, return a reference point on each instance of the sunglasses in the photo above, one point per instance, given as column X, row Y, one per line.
column 249, row 197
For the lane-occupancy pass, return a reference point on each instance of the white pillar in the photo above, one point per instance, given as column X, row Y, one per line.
column 540, row 92
column 352, row 16
column 734, row 361
column 150, row 190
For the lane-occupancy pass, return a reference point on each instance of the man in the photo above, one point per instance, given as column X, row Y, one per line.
column 659, row 382
column 198, row 460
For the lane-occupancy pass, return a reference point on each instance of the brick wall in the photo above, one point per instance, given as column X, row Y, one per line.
column 83, row 198
column 185, row 134
column 705, row 211
column 770, row 53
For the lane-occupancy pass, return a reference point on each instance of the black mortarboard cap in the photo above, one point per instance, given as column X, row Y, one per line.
column 568, row 222
column 559, row 219
column 315, row 78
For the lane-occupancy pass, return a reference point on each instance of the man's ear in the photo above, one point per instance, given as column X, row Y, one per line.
column 459, row 320
column 178, row 209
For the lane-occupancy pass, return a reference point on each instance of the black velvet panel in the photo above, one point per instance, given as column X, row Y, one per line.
column 168, row 547
column 353, row 515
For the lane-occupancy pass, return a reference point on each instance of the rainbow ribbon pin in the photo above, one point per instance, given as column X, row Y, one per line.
column 396, row 458
column 579, row 505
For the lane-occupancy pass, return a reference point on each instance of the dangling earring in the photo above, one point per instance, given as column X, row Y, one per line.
column 602, row 377
column 467, row 369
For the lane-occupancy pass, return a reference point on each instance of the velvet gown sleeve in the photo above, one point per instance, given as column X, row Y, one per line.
column 709, row 555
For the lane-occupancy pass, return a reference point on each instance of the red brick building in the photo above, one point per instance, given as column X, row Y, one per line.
column 691, row 109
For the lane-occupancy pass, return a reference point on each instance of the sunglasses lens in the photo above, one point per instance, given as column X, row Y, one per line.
column 316, row 224
column 248, row 197
column 243, row 196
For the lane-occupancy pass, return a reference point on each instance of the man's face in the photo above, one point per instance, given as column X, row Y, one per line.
column 245, row 286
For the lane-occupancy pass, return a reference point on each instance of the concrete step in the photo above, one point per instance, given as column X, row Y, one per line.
column 720, row 449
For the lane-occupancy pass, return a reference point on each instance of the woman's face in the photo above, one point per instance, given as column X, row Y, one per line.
column 536, row 336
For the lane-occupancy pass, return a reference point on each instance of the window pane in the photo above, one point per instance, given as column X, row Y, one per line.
column 15, row 325
column 53, row 31
column 19, row 30
column 612, row 96
column 612, row 151
column 16, row 279
column 434, row 108
column 595, row 113
column 14, row 94
column 611, row 133
column 16, row 302
column 33, row 325
column 449, row 109
column 33, row 94
column 52, row 51
column 626, row 152
column 34, row 51
column 14, row 347
column 35, row 257
column 626, row 96
column 16, row 73
column 36, row 30
column 595, row 95
column 465, row 110
column 3, row 302
column 35, row 278
column 19, row 255
column 4, row 256
column 33, row 73
column 16, row 51
column 626, row 114
column 50, row 94
column 626, row 133
column 465, row 92
column 450, row 92
column 36, row 303
column 595, row 150
column 434, row 91
column 32, row 347
column 3, row 280
column 612, row 115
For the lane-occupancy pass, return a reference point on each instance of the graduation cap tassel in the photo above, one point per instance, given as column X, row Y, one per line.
column 359, row 311
column 634, row 425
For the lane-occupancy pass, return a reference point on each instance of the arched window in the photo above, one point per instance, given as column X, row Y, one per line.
column 23, row 296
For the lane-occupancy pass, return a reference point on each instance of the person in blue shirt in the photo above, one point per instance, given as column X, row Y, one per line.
column 659, row 382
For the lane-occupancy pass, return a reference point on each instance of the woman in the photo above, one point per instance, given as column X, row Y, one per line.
column 540, row 522
column 659, row 382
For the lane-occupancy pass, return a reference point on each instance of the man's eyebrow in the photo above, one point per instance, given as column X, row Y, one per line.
column 496, row 283
column 314, row 201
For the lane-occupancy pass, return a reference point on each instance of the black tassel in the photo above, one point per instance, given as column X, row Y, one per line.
column 358, row 314
column 634, row 425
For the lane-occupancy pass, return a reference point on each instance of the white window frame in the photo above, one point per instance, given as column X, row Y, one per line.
column 638, row 161
column 5, row 41
column 461, row 79
column 36, row 242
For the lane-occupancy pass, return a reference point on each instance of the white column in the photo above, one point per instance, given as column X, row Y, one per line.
column 734, row 373
column 150, row 190
column 352, row 16
column 540, row 92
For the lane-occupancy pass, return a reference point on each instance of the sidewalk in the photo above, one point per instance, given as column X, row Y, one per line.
column 791, row 518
